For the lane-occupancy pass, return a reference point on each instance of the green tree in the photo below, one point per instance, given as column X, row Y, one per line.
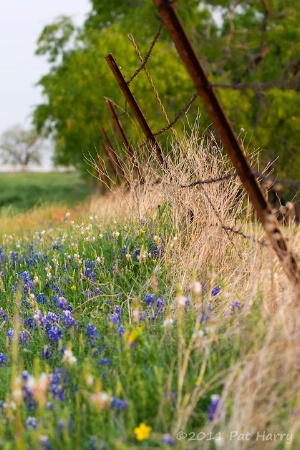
column 21, row 147
column 250, row 49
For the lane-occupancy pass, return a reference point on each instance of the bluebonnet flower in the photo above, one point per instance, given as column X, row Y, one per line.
column 31, row 422
column 45, row 442
column 3, row 359
column 236, row 306
column 97, row 291
column 57, row 384
column 28, row 283
column 88, row 273
column 23, row 338
column 2, row 257
column 213, row 408
column 157, row 252
column 167, row 439
column 3, row 316
column 67, row 319
column 46, row 353
column 96, row 444
column 160, row 303
column 14, row 258
column 25, row 375
column 137, row 252
column 149, row 299
column 54, row 334
column 118, row 404
column 121, row 330
column 62, row 303
column 92, row 335
column 31, row 323
column 105, row 361
column 215, row 291
column 52, row 318
column 10, row 333
column 117, row 310
column 114, row 318
column 41, row 298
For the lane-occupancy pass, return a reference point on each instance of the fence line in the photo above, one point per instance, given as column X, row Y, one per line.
column 137, row 112
column 205, row 90
column 230, row 141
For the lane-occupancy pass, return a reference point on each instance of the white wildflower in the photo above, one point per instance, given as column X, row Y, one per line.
column 68, row 357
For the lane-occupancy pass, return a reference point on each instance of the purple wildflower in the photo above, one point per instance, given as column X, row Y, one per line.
column 114, row 318
column 3, row 359
column 54, row 334
column 62, row 303
column 167, row 439
column 236, row 306
column 119, row 404
column 31, row 422
column 215, row 291
column 149, row 299
column 213, row 408
column 10, row 333
column 41, row 298
column 92, row 335
column 3, row 316
column 104, row 361
column 67, row 319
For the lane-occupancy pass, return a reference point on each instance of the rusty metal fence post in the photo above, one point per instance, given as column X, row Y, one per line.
column 137, row 111
column 228, row 138
column 125, row 141
column 113, row 159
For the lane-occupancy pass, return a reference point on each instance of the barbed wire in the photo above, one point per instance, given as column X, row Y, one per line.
column 160, row 103
column 263, row 176
column 170, row 125
column 209, row 180
column 147, row 56
column 251, row 238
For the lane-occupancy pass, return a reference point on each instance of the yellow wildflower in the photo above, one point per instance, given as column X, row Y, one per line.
column 133, row 335
column 73, row 287
column 142, row 432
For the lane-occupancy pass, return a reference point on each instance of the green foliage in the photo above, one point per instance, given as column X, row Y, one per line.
column 252, row 47
column 21, row 191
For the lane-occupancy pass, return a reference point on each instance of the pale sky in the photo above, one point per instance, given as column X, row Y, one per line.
column 21, row 22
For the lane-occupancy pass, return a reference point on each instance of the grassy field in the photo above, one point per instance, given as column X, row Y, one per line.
column 22, row 191
column 132, row 327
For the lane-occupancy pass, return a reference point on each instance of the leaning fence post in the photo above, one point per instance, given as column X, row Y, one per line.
column 228, row 138
column 137, row 111
column 112, row 156
column 122, row 135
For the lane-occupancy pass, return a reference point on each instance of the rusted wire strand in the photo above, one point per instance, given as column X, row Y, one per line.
column 220, row 220
column 263, row 176
column 179, row 115
column 161, row 106
column 209, row 180
column 171, row 124
column 147, row 56
column 251, row 238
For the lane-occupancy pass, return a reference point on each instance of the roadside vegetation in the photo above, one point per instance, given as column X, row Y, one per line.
column 132, row 325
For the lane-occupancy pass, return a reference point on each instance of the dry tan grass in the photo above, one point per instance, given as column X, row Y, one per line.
column 261, row 389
